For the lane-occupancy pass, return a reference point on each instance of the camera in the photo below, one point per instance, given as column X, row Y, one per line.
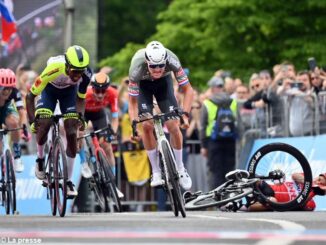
column 296, row 84
column 312, row 63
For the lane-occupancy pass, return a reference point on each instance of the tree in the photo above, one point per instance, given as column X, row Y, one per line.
column 238, row 35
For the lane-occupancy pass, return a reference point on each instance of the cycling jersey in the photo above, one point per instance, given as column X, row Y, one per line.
column 17, row 97
column 288, row 191
column 138, row 71
column 110, row 100
column 55, row 74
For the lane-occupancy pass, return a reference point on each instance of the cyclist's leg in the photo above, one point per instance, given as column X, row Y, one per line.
column 44, row 110
column 12, row 121
column 67, row 102
column 145, row 106
column 167, row 101
column 85, row 169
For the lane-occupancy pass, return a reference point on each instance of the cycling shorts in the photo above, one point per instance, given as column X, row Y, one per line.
column 162, row 90
column 66, row 98
column 99, row 120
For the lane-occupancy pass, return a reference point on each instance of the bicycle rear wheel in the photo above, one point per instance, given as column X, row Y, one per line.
column 51, row 182
column 11, row 182
column 173, row 178
column 228, row 192
column 288, row 160
column 60, row 175
column 109, row 181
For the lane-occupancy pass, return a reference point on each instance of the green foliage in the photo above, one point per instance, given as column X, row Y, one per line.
column 126, row 21
column 238, row 35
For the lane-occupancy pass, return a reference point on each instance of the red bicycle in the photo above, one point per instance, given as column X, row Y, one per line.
column 102, row 182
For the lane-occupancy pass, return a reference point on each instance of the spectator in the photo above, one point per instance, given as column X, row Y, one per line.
column 301, row 105
column 220, row 153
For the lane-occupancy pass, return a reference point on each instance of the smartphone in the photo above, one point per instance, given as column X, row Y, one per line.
column 312, row 63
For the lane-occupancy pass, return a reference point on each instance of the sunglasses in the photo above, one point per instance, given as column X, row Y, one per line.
column 76, row 71
column 255, row 86
column 99, row 90
column 156, row 66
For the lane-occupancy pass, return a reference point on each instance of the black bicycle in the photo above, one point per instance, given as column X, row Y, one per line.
column 102, row 182
column 273, row 163
column 56, row 170
column 167, row 159
column 8, row 177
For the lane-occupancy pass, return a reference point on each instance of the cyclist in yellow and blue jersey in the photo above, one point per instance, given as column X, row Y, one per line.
column 64, row 80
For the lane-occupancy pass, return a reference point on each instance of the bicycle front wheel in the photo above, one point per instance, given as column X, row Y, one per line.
column 11, row 183
column 228, row 192
column 5, row 201
column 60, row 175
column 286, row 159
column 96, row 185
column 109, row 181
column 173, row 178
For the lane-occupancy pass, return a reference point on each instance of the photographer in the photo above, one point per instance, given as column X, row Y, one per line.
column 301, row 105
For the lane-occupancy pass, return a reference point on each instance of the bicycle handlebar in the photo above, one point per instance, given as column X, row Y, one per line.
column 176, row 113
column 6, row 130
column 107, row 128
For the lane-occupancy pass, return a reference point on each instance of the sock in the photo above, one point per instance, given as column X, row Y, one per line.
column 113, row 170
column 153, row 158
column 70, row 162
column 178, row 159
column 17, row 150
column 82, row 155
column 40, row 151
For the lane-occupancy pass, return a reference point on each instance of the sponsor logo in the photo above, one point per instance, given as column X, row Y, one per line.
column 37, row 82
column 52, row 72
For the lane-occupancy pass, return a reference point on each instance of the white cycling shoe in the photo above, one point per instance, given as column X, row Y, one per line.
column 71, row 190
column 120, row 194
column 18, row 164
column 86, row 171
column 184, row 179
column 157, row 179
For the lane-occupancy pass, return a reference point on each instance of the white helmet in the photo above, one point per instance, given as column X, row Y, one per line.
column 155, row 53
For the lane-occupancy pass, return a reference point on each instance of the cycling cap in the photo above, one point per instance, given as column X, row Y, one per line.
column 77, row 57
column 155, row 53
column 100, row 80
column 7, row 78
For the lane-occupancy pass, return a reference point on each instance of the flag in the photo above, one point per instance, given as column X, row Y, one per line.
column 8, row 22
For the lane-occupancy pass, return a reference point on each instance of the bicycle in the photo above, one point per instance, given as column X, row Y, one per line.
column 102, row 182
column 8, row 177
column 265, row 165
column 56, row 172
column 167, row 159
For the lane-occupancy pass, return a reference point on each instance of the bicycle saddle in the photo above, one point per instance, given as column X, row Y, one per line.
column 237, row 174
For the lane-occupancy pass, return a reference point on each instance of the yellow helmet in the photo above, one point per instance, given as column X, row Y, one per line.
column 77, row 57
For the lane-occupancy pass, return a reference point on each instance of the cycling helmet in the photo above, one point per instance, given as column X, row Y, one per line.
column 7, row 78
column 77, row 57
column 155, row 53
column 100, row 80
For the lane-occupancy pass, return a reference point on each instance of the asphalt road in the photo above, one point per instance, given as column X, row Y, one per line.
column 206, row 227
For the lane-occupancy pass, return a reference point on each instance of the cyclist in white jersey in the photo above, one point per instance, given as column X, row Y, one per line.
column 150, row 75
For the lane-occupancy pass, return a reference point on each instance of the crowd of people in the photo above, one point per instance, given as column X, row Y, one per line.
column 283, row 102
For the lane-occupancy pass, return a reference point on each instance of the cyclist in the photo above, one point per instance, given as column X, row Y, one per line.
column 150, row 75
column 8, row 113
column 99, row 97
column 65, row 79
column 283, row 192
